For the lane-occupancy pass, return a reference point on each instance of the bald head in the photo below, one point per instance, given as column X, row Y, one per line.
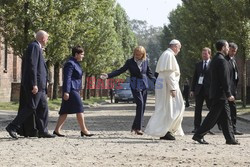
column 42, row 37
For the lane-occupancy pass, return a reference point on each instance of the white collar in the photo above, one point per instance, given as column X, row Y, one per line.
column 39, row 44
column 169, row 49
column 208, row 60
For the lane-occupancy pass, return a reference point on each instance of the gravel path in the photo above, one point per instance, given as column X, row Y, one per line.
column 114, row 145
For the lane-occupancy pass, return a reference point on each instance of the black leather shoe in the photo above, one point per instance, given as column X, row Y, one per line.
column 168, row 136
column 193, row 131
column 236, row 132
column 233, row 142
column 86, row 134
column 200, row 140
column 11, row 131
column 211, row 133
column 45, row 135
column 58, row 134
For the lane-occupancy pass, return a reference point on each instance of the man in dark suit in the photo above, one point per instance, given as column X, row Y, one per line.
column 219, row 94
column 34, row 85
column 186, row 92
column 234, row 78
column 200, row 87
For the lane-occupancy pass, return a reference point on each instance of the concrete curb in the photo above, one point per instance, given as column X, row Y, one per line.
column 243, row 119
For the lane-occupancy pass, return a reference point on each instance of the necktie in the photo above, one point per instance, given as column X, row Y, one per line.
column 235, row 70
column 205, row 66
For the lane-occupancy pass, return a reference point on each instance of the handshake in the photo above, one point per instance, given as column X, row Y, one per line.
column 104, row 76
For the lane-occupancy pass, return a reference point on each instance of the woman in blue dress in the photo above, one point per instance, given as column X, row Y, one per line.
column 71, row 100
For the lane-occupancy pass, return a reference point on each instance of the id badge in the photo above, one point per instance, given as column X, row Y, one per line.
column 200, row 82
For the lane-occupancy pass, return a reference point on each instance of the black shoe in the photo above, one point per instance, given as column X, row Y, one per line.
column 46, row 135
column 211, row 133
column 58, row 134
column 85, row 134
column 168, row 136
column 233, row 142
column 200, row 140
column 11, row 131
column 236, row 132
column 137, row 132
column 194, row 131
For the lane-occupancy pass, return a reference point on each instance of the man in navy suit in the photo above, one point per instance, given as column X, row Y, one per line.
column 34, row 85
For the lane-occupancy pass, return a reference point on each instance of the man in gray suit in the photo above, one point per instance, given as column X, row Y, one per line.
column 234, row 78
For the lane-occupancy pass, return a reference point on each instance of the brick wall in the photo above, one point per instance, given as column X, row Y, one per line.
column 10, row 69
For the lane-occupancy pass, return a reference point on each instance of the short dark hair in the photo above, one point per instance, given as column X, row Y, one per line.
column 77, row 49
column 233, row 45
column 219, row 44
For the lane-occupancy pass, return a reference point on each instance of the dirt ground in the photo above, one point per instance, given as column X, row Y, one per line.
column 114, row 145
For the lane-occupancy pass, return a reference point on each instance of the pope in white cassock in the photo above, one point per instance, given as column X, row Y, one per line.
column 169, row 105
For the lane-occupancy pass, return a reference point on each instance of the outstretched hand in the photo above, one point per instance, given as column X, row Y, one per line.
column 104, row 76
column 231, row 98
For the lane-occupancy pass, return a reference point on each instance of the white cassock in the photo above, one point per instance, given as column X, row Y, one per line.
column 169, row 110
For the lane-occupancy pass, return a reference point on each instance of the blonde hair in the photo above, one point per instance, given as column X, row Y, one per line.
column 142, row 50
column 207, row 49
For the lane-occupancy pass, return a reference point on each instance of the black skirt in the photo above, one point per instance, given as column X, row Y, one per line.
column 73, row 104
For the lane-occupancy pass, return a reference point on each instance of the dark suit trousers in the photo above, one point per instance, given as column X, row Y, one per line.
column 35, row 104
column 219, row 112
column 28, row 128
column 199, row 100
column 140, row 98
column 233, row 110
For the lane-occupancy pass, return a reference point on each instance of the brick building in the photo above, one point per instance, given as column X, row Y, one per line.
column 10, row 71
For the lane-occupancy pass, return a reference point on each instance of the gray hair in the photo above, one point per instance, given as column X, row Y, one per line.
column 233, row 45
column 41, row 33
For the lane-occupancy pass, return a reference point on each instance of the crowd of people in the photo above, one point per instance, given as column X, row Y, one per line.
column 214, row 81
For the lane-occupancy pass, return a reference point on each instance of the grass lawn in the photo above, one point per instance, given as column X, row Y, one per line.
column 240, row 109
column 53, row 104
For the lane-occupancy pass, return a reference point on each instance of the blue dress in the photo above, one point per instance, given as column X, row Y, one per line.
column 72, row 84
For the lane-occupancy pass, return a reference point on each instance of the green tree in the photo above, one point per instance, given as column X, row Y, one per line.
column 200, row 23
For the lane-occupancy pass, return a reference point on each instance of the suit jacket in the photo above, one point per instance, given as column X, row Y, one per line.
column 35, row 71
column 72, row 76
column 220, row 78
column 232, row 69
column 138, row 79
column 196, row 88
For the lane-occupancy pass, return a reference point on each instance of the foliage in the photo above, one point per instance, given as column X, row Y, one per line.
column 150, row 37
column 200, row 23
column 101, row 27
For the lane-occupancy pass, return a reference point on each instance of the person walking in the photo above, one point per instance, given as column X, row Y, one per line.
column 139, row 69
column 71, row 100
column 219, row 94
column 34, row 89
column 234, row 78
column 169, row 105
